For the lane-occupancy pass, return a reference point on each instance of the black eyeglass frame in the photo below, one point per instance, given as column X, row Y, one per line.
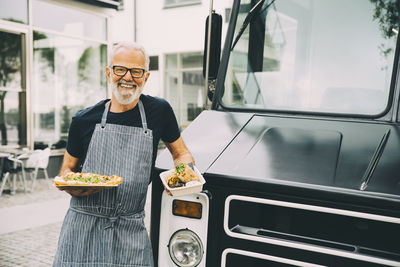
column 126, row 70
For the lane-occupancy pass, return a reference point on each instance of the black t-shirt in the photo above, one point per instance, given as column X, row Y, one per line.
column 159, row 115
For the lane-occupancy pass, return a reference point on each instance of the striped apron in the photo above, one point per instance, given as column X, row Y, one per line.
column 107, row 228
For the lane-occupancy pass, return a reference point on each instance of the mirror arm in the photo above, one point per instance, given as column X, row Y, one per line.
column 208, row 53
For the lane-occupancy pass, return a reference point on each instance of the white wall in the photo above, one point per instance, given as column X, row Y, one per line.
column 161, row 30
column 122, row 24
column 177, row 29
column 173, row 30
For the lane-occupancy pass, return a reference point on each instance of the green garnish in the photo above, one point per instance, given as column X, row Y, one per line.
column 180, row 168
column 81, row 177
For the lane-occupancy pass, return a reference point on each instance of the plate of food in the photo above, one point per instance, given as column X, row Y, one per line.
column 86, row 180
column 183, row 180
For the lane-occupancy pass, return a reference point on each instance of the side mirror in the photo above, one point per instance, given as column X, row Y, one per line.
column 215, row 52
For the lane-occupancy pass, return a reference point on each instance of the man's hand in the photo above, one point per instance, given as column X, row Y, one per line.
column 180, row 154
column 81, row 192
column 166, row 190
column 69, row 164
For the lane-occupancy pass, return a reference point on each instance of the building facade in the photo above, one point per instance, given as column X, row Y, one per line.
column 173, row 31
column 53, row 56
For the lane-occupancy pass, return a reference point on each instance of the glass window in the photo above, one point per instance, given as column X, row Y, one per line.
column 12, row 91
column 172, row 91
column 171, row 62
column 296, row 55
column 15, row 10
column 191, row 60
column 68, row 20
column 169, row 3
column 68, row 75
column 192, row 95
column 184, row 85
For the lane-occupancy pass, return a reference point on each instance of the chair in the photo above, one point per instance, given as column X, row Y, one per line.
column 4, row 173
column 38, row 160
column 11, row 169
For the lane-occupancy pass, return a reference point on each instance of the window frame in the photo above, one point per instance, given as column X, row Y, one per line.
column 390, row 113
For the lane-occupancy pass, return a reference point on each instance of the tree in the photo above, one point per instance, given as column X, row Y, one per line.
column 387, row 14
column 46, row 53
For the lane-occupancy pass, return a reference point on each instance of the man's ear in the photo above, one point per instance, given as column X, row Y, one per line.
column 147, row 76
column 108, row 72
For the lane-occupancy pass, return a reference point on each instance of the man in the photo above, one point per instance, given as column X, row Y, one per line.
column 106, row 228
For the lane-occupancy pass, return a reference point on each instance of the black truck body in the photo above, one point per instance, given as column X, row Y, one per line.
column 290, row 188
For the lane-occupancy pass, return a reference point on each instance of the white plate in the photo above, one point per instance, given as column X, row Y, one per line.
column 82, row 186
column 184, row 190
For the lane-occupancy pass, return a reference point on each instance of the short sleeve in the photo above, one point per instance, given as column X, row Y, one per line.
column 74, row 144
column 170, row 131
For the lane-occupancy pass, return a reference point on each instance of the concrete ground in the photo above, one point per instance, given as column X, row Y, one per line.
column 30, row 224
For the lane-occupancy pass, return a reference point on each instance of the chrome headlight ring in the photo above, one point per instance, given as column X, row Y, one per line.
column 185, row 248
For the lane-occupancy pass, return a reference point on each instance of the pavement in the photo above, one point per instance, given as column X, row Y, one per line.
column 30, row 224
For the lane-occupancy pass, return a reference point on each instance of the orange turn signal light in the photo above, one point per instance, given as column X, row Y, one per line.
column 187, row 208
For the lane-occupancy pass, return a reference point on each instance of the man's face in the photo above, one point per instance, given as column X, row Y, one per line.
column 126, row 89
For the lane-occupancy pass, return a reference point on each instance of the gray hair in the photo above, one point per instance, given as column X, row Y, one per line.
column 131, row 45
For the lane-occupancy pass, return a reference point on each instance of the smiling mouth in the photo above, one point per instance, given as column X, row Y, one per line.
column 127, row 86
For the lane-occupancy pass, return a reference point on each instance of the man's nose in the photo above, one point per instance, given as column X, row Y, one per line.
column 128, row 76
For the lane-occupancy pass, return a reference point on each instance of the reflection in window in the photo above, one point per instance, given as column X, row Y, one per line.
column 184, row 85
column 69, row 74
column 68, row 20
column 12, row 93
column 15, row 10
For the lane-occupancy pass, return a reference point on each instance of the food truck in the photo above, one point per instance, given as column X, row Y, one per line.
column 300, row 149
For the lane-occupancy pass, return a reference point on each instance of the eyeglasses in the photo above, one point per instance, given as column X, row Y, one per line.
column 121, row 71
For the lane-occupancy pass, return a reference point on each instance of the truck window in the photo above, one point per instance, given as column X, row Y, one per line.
column 329, row 56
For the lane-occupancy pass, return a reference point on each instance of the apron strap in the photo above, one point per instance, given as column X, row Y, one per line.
column 141, row 111
column 143, row 116
column 104, row 117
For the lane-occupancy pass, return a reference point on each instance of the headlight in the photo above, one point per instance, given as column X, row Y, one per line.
column 185, row 248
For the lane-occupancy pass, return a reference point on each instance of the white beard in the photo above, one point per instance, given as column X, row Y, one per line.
column 126, row 96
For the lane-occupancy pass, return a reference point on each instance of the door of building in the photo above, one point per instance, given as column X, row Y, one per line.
column 13, row 113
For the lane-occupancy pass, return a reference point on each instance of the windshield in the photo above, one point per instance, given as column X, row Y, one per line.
column 333, row 56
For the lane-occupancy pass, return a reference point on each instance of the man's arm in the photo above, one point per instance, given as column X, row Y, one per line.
column 69, row 163
column 179, row 152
